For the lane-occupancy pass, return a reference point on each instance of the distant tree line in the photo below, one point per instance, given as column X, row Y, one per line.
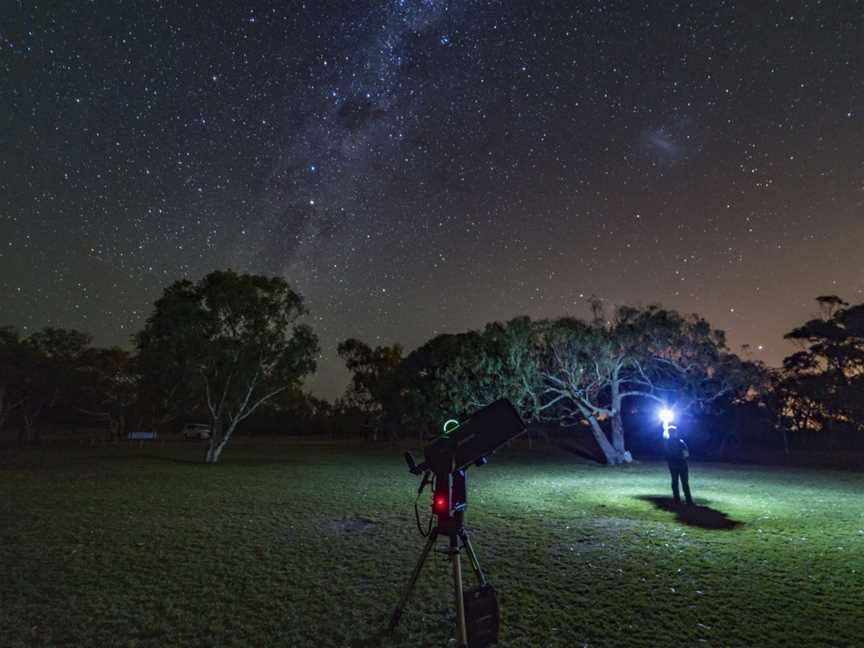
column 820, row 388
column 592, row 373
column 567, row 372
column 233, row 346
column 222, row 348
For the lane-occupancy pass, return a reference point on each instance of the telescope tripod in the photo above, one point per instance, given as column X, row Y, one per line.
column 456, row 533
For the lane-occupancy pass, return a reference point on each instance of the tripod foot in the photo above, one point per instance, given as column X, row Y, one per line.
column 397, row 612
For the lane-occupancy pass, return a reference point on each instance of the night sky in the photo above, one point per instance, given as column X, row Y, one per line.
column 416, row 167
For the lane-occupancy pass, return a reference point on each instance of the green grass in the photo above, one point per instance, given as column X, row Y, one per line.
column 122, row 546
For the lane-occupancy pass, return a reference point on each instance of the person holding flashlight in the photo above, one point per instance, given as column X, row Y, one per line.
column 677, row 453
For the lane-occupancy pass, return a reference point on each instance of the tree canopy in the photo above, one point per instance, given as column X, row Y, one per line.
column 231, row 342
column 374, row 388
column 571, row 371
column 822, row 384
column 648, row 354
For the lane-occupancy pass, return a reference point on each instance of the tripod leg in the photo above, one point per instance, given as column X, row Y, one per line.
column 397, row 613
column 475, row 563
column 461, row 629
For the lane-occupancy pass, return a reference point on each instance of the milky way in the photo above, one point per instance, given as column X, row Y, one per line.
column 416, row 167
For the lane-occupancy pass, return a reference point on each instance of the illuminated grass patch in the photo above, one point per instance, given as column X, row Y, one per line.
column 302, row 546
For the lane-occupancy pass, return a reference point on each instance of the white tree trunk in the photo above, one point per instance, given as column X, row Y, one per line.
column 219, row 438
column 613, row 457
column 618, row 422
column 214, row 452
column 618, row 437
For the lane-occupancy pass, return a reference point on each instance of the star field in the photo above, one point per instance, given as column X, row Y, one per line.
column 418, row 167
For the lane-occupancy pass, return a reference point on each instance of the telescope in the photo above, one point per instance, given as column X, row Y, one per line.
column 446, row 459
column 463, row 445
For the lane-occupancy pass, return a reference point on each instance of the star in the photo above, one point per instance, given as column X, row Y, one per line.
column 478, row 160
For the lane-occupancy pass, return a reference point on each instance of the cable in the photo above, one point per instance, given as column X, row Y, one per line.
column 423, row 483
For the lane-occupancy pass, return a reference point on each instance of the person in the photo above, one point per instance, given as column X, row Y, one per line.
column 676, row 456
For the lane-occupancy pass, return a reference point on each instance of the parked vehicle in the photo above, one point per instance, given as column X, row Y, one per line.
column 196, row 431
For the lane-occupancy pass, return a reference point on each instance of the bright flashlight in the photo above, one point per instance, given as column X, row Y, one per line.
column 666, row 416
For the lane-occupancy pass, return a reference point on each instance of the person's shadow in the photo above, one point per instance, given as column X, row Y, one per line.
column 703, row 517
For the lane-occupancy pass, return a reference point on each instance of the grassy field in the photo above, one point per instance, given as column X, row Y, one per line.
column 310, row 545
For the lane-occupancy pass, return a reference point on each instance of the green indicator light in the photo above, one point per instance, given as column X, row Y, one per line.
column 450, row 425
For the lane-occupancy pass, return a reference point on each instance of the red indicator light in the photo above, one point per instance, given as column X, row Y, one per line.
column 440, row 504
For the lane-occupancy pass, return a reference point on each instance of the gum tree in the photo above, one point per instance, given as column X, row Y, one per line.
column 51, row 358
column 108, row 387
column 454, row 375
column 374, row 388
column 236, row 337
column 592, row 368
column 822, row 384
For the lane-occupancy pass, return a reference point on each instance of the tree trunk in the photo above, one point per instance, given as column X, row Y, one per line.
column 214, row 452
column 612, row 456
column 216, row 442
column 618, row 422
column 219, row 438
column 618, row 433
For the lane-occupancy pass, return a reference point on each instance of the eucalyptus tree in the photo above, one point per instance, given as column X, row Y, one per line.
column 51, row 358
column 591, row 368
column 109, row 387
column 822, row 384
column 236, row 338
column 374, row 389
column 456, row 374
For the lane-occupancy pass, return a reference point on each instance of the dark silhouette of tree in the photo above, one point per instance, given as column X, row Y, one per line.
column 12, row 356
column 431, row 385
column 374, row 389
column 65, row 346
column 108, row 387
column 232, row 341
column 822, row 384
column 454, row 375
column 50, row 359
column 169, row 350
